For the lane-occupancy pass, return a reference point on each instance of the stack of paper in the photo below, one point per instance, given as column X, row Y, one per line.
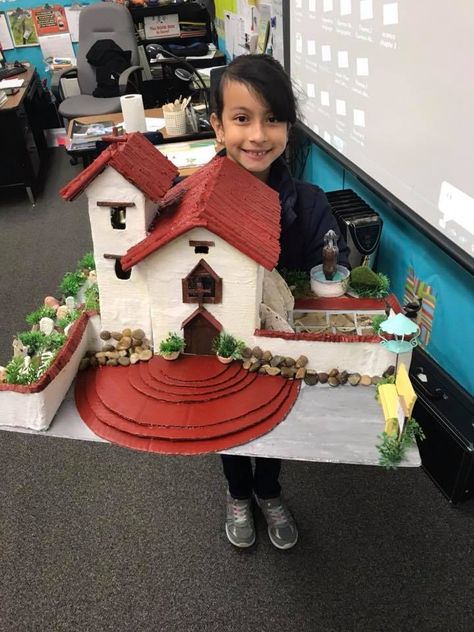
column 86, row 134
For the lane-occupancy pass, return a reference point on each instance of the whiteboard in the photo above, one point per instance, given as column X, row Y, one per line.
column 388, row 85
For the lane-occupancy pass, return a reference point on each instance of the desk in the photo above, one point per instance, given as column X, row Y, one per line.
column 22, row 143
column 116, row 118
column 87, row 155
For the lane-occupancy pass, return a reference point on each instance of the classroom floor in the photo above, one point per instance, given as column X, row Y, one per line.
column 96, row 537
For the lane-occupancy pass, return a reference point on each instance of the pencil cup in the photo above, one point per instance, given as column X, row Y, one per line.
column 175, row 122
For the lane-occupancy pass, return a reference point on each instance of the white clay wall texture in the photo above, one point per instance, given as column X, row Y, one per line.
column 36, row 410
column 368, row 358
column 242, row 285
column 124, row 303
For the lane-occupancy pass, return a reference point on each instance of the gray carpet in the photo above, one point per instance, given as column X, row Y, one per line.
column 95, row 537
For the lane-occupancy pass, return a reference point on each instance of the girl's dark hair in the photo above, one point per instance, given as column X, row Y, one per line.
column 264, row 76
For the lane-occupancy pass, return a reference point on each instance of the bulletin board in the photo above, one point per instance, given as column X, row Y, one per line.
column 30, row 31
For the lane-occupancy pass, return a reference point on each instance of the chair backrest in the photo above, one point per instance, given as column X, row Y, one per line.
column 104, row 20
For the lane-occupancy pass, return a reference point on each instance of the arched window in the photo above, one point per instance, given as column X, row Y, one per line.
column 202, row 285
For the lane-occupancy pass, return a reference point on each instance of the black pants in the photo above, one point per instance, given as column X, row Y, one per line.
column 243, row 481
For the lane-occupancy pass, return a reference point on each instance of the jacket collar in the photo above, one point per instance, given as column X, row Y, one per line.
column 281, row 181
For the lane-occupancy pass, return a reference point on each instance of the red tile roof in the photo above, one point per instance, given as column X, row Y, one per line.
column 228, row 201
column 136, row 159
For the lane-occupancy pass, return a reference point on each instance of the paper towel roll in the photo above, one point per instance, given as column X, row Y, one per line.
column 133, row 113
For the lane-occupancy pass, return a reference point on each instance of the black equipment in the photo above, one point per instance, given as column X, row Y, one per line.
column 359, row 224
column 445, row 412
column 11, row 71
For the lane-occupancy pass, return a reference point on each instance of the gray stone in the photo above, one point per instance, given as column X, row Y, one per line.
column 124, row 343
column 311, row 377
column 272, row 370
column 354, row 379
column 301, row 361
column 342, row 377
column 288, row 372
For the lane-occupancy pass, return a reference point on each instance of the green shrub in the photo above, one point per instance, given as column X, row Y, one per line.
column 71, row 283
column 69, row 318
column 226, row 346
column 173, row 342
column 377, row 320
column 393, row 449
column 298, row 281
column 33, row 318
column 34, row 340
column 54, row 341
column 369, row 284
column 38, row 342
column 87, row 262
column 17, row 374
column 91, row 298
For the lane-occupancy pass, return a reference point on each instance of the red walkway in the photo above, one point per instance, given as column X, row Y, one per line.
column 192, row 405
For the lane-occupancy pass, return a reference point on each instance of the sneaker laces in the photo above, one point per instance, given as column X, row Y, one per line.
column 240, row 512
column 276, row 515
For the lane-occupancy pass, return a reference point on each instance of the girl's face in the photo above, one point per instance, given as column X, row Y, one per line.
column 250, row 133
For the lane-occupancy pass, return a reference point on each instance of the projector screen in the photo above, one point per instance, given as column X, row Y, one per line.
column 388, row 88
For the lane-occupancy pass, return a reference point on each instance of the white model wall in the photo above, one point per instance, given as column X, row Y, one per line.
column 242, row 285
column 123, row 302
column 366, row 358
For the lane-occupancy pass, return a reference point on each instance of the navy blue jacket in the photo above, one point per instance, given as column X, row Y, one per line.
column 306, row 217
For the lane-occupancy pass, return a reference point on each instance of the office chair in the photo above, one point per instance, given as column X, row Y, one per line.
column 105, row 20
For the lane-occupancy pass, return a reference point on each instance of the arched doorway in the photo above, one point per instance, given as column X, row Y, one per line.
column 199, row 331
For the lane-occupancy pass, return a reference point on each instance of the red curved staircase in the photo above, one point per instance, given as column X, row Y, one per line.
column 192, row 405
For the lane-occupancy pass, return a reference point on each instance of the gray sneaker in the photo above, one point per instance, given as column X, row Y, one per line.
column 282, row 529
column 239, row 526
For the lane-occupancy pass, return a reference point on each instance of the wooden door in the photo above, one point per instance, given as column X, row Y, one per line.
column 199, row 334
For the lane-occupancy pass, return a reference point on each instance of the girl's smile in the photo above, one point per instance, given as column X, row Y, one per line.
column 252, row 136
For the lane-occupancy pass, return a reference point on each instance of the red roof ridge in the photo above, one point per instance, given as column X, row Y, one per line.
column 137, row 160
column 227, row 200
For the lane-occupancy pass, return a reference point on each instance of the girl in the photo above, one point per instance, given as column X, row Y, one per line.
column 254, row 108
